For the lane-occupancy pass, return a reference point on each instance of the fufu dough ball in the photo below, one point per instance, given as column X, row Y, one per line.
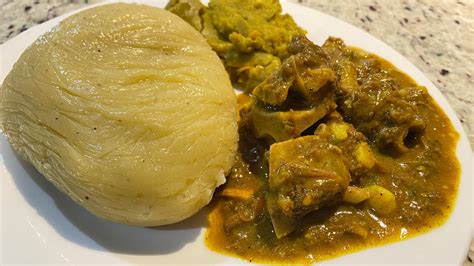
column 127, row 110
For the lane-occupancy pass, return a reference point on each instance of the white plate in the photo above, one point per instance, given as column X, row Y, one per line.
column 41, row 225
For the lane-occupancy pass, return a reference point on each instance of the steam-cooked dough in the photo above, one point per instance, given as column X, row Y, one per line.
column 127, row 110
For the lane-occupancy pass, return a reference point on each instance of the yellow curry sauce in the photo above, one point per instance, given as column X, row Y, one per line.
column 339, row 150
column 397, row 144
column 250, row 36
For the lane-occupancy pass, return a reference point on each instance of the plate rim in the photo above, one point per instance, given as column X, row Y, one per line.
column 463, row 149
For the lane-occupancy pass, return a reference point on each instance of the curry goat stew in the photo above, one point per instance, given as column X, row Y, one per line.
column 339, row 151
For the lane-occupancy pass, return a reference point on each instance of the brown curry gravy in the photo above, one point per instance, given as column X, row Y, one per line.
column 424, row 181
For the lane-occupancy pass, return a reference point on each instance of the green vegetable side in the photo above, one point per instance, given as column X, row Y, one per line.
column 250, row 36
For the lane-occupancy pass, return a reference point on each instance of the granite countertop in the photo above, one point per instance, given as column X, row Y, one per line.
column 437, row 36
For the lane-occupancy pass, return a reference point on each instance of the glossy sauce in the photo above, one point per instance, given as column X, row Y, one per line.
column 424, row 181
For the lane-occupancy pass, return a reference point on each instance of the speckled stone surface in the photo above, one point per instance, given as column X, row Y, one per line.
column 437, row 36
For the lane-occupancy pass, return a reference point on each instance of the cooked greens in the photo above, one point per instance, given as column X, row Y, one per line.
column 250, row 36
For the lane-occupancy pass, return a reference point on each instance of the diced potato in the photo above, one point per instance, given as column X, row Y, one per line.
column 339, row 131
column 356, row 195
column 364, row 155
column 381, row 200
column 308, row 200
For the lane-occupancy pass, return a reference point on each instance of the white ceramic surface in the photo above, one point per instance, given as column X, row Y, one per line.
column 41, row 225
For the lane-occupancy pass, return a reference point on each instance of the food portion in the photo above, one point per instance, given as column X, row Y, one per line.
column 381, row 102
column 338, row 151
column 251, row 36
column 294, row 97
column 117, row 108
column 304, row 175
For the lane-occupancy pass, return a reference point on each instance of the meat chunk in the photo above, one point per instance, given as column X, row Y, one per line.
column 306, row 71
column 305, row 174
column 285, row 125
column 373, row 97
column 293, row 98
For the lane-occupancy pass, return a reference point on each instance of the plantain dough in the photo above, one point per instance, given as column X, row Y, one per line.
column 127, row 110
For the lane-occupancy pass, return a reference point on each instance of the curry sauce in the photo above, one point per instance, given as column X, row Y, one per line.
column 339, row 151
